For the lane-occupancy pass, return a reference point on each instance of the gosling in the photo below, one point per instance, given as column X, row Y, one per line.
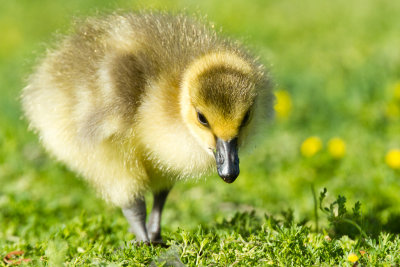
column 136, row 102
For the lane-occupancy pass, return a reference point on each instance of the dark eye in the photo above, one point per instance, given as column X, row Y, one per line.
column 246, row 118
column 202, row 119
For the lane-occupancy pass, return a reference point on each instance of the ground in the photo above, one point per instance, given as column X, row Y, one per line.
column 336, row 70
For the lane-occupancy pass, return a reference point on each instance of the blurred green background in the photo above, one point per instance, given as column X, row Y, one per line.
column 335, row 63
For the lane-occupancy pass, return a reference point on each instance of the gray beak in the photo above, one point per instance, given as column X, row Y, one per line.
column 227, row 159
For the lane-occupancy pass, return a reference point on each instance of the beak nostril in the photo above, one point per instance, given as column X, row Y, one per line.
column 220, row 159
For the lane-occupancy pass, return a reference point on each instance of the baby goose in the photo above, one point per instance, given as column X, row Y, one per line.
column 138, row 101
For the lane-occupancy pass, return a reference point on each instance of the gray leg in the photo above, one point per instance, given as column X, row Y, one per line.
column 153, row 226
column 136, row 216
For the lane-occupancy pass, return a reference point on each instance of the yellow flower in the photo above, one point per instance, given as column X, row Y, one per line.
column 396, row 90
column 393, row 158
column 392, row 110
column 11, row 37
column 283, row 105
column 352, row 257
column 311, row 146
column 337, row 148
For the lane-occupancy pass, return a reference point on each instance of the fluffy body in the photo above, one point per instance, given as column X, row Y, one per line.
column 116, row 101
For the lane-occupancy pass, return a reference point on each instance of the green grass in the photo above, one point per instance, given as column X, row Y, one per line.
column 338, row 60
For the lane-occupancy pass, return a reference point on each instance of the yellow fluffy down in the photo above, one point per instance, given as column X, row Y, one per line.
column 110, row 101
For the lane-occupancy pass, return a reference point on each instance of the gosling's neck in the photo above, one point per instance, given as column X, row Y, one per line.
column 164, row 137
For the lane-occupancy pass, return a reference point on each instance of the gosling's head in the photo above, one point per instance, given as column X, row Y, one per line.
column 218, row 93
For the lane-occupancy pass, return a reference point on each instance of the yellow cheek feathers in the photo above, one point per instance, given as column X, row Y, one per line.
column 219, row 125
